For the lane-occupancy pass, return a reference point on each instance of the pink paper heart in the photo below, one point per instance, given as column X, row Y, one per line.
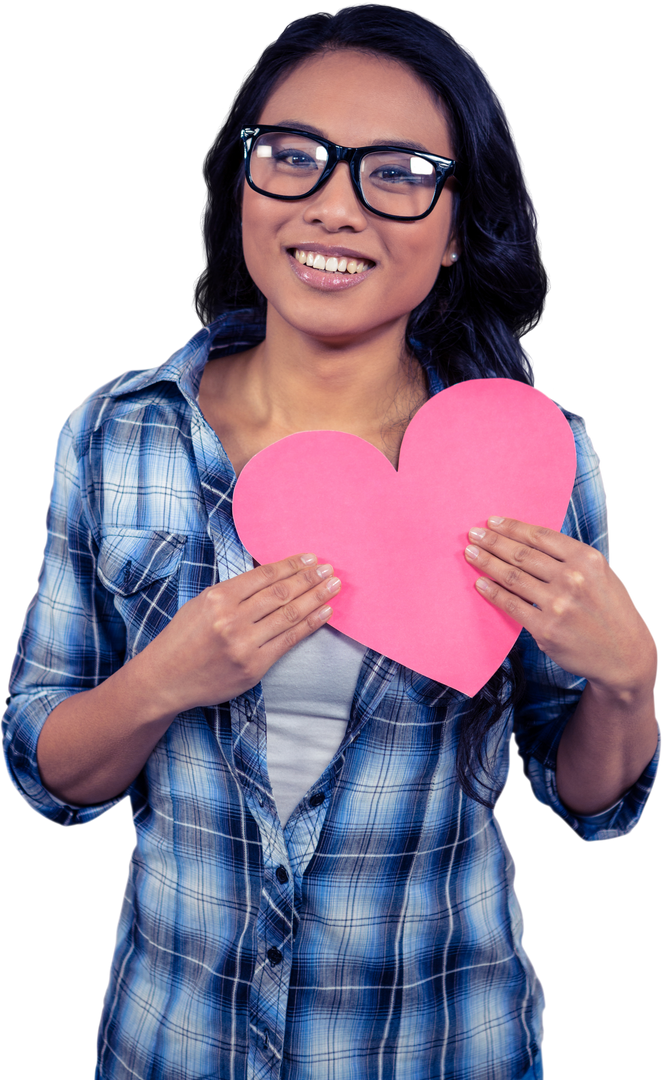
column 396, row 539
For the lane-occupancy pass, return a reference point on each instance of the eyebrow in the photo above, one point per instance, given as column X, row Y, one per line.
column 409, row 144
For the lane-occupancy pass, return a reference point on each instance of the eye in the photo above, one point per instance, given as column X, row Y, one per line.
column 397, row 169
column 295, row 159
column 286, row 154
column 394, row 174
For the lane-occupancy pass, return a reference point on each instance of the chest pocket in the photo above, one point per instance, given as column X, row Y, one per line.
column 140, row 567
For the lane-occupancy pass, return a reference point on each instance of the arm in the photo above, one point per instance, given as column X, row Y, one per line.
column 584, row 620
column 94, row 744
column 81, row 724
column 72, row 639
column 605, row 746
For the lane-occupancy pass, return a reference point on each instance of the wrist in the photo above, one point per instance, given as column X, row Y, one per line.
column 629, row 683
column 148, row 691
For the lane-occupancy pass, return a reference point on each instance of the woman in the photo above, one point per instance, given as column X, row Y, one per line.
column 319, row 884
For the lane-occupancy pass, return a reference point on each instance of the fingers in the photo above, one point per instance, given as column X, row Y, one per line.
column 292, row 603
column 262, row 577
column 284, row 591
column 266, row 588
column 503, row 531
column 489, row 550
column 288, row 600
column 289, row 624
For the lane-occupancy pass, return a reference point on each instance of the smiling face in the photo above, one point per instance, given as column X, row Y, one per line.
column 352, row 99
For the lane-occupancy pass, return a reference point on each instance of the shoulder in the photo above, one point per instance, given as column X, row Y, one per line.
column 122, row 401
column 586, row 519
column 158, row 395
column 585, row 450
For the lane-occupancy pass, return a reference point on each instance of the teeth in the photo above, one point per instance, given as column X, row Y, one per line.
column 332, row 264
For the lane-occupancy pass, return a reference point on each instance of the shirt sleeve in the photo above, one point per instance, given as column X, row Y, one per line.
column 72, row 639
column 552, row 694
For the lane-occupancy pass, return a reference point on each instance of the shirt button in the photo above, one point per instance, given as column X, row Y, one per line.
column 274, row 955
column 317, row 799
column 282, row 875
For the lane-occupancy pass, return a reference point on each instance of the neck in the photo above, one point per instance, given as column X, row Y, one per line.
column 298, row 382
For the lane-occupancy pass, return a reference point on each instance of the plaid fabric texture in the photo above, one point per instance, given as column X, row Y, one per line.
column 376, row 937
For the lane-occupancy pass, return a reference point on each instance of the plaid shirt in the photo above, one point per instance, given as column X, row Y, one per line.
column 378, row 934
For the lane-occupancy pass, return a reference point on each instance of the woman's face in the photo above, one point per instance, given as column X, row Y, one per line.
column 352, row 99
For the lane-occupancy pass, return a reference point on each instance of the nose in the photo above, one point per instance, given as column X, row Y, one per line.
column 336, row 205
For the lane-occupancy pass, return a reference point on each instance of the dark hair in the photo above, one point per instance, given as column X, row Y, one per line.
column 470, row 323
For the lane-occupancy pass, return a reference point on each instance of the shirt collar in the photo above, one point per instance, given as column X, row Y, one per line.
column 231, row 332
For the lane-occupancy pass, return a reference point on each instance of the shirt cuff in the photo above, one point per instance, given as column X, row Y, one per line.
column 615, row 823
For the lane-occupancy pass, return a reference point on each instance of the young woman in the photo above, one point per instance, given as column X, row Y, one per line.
column 319, row 888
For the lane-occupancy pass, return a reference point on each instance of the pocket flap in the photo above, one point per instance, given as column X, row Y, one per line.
column 131, row 559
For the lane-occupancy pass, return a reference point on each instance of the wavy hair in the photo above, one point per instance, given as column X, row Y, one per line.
column 470, row 324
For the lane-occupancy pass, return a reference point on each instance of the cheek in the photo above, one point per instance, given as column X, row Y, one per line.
column 426, row 249
column 420, row 269
column 262, row 223
column 252, row 228
column 261, row 219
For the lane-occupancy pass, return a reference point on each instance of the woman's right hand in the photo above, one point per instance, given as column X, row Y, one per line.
column 224, row 640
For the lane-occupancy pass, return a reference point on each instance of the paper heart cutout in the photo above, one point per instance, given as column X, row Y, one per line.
column 396, row 538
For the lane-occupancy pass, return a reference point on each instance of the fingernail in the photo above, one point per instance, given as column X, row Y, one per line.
column 483, row 584
column 333, row 584
column 325, row 612
column 495, row 521
column 308, row 560
column 472, row 552
column 476, row 534
column 324, row 571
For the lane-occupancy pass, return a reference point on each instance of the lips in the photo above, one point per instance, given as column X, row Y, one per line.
column 326, row 280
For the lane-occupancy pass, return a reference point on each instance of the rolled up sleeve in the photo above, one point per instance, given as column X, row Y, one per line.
column 552, row 694
column 72, row 639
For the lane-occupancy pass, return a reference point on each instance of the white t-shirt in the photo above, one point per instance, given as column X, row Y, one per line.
column 308, row 696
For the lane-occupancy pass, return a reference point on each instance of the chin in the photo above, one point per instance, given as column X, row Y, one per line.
column 338, row 331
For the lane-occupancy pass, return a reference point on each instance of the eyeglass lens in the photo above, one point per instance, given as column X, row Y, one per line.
column 392, row 181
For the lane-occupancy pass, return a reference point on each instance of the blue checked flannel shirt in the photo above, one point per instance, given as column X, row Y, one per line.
column 377, row 935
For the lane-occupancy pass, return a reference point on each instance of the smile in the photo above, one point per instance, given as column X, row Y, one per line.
column 328, row 274
column 332, row 265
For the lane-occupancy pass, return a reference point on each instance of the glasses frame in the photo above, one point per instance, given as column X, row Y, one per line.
column 353, row 155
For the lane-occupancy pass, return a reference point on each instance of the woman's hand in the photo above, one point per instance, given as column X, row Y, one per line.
column 223, row 641
column 583, row 617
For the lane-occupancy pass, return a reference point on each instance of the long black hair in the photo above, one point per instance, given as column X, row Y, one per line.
column 470, row 324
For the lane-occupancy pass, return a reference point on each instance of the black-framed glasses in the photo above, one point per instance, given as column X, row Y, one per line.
column 392, row 181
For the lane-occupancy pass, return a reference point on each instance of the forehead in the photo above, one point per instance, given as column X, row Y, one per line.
column 355, row 99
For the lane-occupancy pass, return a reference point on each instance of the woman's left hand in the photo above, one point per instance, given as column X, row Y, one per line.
column 583, row 617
